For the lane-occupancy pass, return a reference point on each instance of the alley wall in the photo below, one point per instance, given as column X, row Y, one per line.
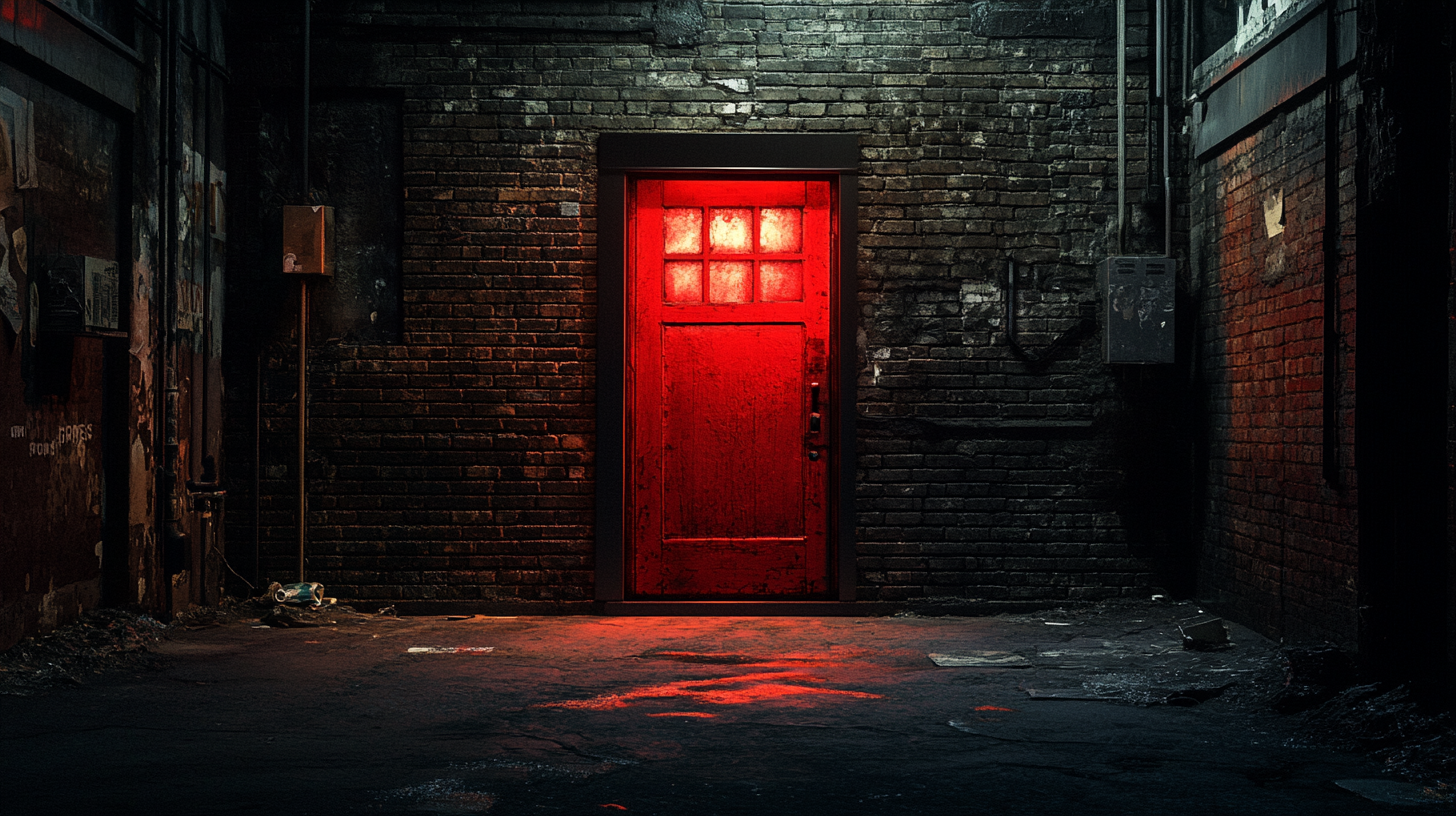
column 450, row 446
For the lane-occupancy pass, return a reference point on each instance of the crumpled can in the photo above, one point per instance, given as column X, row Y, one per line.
column 308, row 592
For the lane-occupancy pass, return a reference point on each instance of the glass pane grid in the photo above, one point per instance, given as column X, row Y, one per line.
column 765, row 245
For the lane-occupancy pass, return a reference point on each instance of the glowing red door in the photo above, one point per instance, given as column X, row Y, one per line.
column 729, row 390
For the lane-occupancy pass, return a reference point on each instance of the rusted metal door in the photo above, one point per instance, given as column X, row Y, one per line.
column 729, row 360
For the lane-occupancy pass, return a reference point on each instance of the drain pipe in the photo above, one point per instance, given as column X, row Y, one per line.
column 1164, row 91
column 1016, row 347
column 1121, row 120
column 174, row 542
column 303, row 311
column 1330, row 249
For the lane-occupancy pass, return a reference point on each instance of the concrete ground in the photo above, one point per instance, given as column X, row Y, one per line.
column 1076, row 712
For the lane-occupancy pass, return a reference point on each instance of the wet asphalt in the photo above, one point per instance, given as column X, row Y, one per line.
column 1071, row 712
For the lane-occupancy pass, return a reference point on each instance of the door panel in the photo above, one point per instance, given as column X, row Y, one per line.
column 728, row 380
column 733, row 431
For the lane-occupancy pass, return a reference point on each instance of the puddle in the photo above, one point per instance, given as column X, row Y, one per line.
column 736, row 690
column 791, row 660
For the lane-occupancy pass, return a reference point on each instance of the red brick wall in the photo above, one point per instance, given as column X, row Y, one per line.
column 1279, row 544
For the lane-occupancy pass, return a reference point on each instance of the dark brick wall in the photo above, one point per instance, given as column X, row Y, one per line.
column 456, row 463
column 1279, row 543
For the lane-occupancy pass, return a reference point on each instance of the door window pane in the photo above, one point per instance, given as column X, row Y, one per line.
column 730, row 281
column 730, row 231
column 780, row 281
column 684, row 281
column 682, row 231
column 779, row 229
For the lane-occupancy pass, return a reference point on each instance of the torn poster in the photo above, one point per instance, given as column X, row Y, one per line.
column 18, row 114
column 9, row 289
column 20, row 246
column 7, row 170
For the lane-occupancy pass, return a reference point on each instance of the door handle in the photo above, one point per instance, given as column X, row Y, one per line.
column 814, row 408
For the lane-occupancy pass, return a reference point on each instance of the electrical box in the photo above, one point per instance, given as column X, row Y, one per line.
column 80, row 295
column 308, row 241
column 1137, row 310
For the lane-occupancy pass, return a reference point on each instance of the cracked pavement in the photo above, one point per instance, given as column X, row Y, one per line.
column 1095, row 710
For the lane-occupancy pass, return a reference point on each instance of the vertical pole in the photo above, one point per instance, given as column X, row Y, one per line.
column 1121, row 120
column 303, row 309
column 1165, row 90
column 302, row 419
column 307, row 81
column 1330, row 250
column 257, row 468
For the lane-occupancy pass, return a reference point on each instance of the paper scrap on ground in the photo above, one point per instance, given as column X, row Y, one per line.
column 1066, row 694
column 982, row 659
column 450, row 649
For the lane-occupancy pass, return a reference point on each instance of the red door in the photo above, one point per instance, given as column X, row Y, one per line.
column 729, row 391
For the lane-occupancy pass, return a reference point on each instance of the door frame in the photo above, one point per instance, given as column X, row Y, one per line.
column 624, row 156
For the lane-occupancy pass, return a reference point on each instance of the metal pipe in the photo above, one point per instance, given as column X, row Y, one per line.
column 303, row 309
column 1330, row 250
column 1187, row 73
column 165, row 440
column 257, row 467
column 1121, row 120
column 1011, row 308
column 1164, row 92
column 302, row 419
column 212, row 532
column 307, row 81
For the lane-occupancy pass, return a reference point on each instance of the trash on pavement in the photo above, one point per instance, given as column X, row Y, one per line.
column 307, row 592
column 282, row 617
column 1203, row 633
column 449, row 649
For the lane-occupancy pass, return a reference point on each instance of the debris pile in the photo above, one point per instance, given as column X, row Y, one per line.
column 102, row 640
column 1412, row 740
column 1311, row 677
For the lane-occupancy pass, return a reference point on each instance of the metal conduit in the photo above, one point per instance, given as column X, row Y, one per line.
column 1121, row 120
column 303, row 313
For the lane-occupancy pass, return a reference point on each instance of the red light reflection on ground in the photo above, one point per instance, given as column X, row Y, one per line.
column 786, row 661
column 698, row 714
column 736, row 690
column 993, row 708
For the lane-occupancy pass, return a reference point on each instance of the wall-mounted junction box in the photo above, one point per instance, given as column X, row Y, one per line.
column 1137, row 309
column 308, row 240
column 81, row 295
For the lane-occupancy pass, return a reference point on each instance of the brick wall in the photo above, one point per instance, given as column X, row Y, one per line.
column 1279, row 543
column 456, row 464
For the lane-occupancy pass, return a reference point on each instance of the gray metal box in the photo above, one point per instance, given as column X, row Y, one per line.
column 1137, row 309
